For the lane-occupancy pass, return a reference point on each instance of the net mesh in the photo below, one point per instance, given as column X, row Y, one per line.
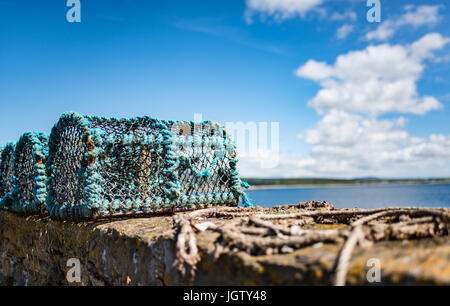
column 68, row 151
column 29, row 184
column 100, row 167
column 6, row 173
column 22, row 175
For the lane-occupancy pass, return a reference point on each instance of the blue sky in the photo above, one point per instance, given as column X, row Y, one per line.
column 249, row 61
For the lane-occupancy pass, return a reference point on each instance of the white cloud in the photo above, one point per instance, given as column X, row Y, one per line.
column 351, row 145
column 344, row 31
column 351, row 140
column 383, row 32
column 420, row 15
column 377, row 80
column 348, row 15
column 281, row 9
column 288, row 166
column 424, row 47
column 315, row 71
column 358, row 145
column 414, row 16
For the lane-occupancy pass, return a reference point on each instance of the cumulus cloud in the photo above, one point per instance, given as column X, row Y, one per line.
column 344, row 31
column 377, row 80
column 414, row 16
column 383, row 32
column 281, row 9
column 352, row 139
column 424, row 47
column 351, row 144
column 348, row 15
column 288, row 166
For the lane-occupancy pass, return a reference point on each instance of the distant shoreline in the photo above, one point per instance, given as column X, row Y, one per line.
column 346, row 184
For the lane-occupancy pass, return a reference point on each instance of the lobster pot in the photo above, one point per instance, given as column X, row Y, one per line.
column 99, row 167
column 29, row 184
column 6, row 174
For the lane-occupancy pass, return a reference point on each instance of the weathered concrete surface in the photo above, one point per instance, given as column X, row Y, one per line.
column 34, row 251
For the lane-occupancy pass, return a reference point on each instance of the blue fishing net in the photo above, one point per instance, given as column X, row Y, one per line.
column 23, row 175
column 100, row 167
column 6, row 174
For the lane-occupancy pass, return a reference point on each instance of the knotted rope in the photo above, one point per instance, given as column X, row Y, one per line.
column 259, row 231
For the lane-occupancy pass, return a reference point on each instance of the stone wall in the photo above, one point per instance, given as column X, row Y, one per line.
column 141, row 251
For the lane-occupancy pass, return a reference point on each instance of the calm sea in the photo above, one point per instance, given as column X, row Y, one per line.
column 362, row 196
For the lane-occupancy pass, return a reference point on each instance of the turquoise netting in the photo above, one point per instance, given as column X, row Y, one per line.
column 6, row 174
column 30, row 191
column 99, row 167
column 93, row 167
column 23, row 175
